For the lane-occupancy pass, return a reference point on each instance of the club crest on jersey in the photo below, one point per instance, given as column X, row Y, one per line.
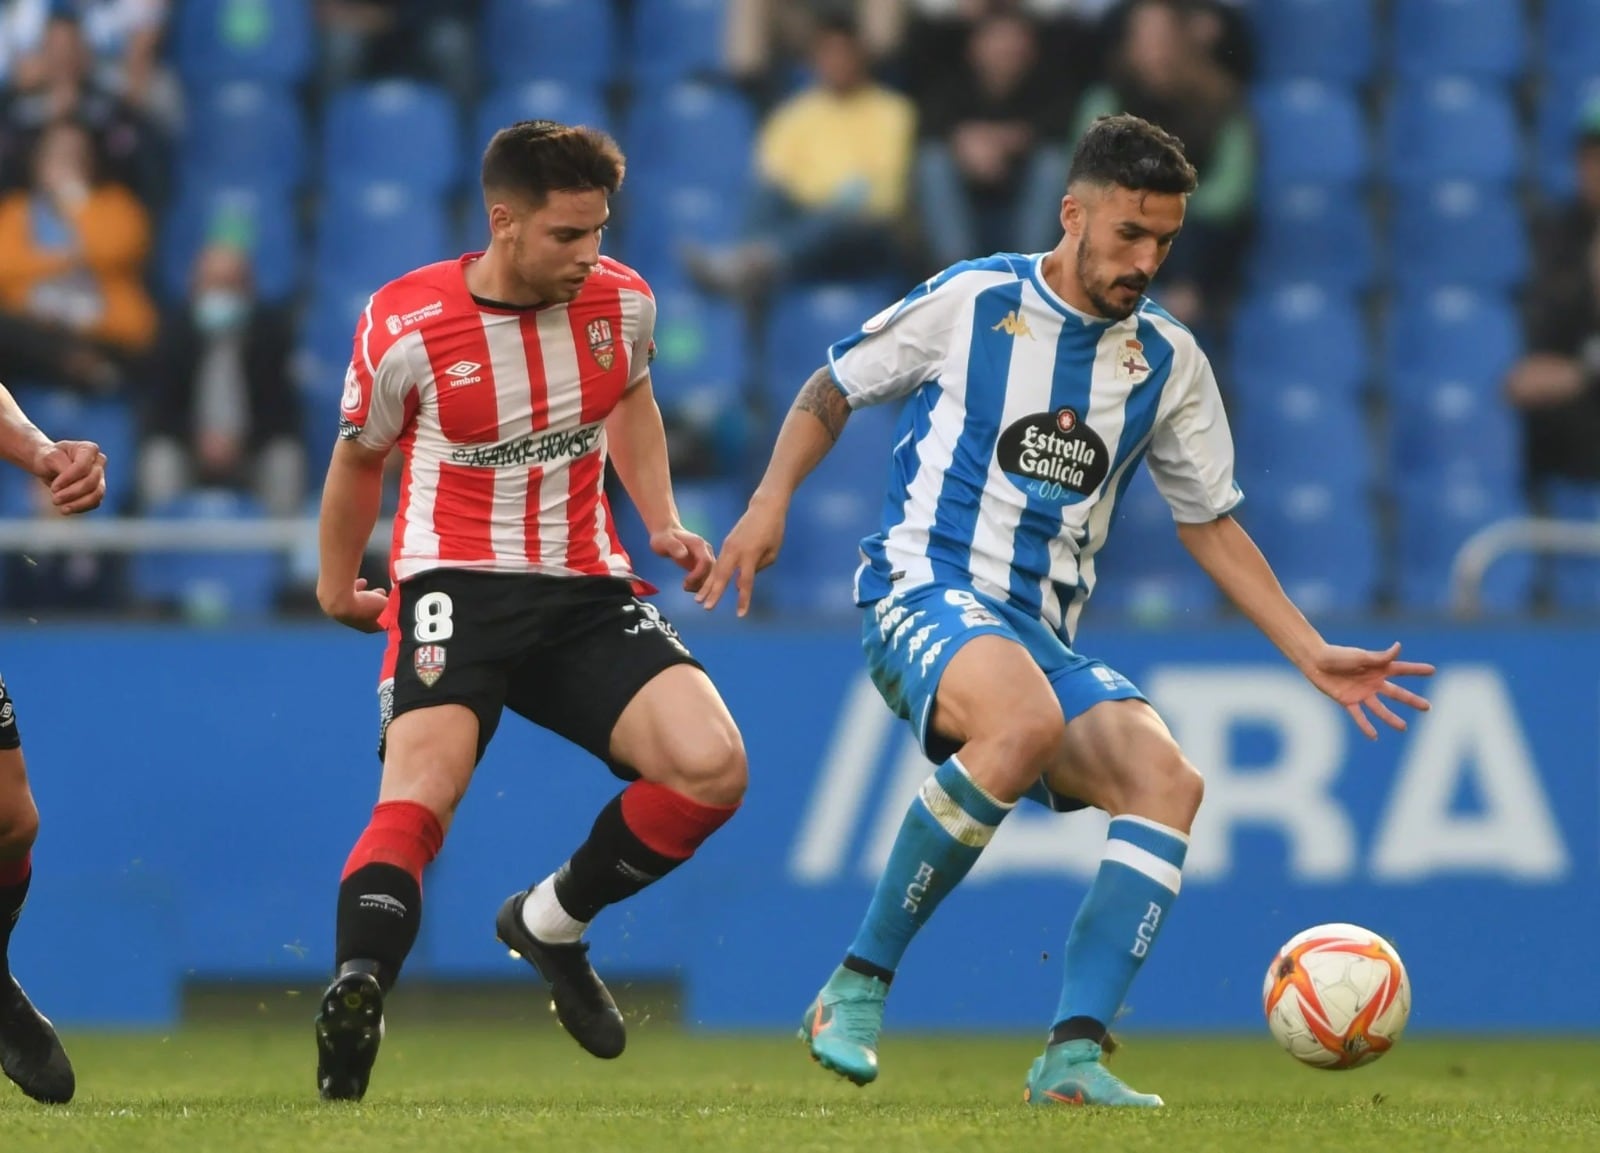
column 1132, row 367
column 1053, row 456
column 429, row 663
column 601, row 345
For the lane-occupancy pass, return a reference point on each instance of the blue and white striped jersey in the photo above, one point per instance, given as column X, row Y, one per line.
column 1023, row 423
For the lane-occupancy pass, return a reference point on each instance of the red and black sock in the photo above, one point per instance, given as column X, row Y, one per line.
column 645, row 832
column 380, row 895
column 15, row 875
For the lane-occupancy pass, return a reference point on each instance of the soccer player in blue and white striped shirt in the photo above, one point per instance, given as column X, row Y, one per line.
column 1033, row 387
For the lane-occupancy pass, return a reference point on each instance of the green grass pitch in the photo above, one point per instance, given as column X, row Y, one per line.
column 249, row 1088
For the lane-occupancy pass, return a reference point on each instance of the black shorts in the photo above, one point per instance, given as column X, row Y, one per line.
column 10, row 735
column 567, row 653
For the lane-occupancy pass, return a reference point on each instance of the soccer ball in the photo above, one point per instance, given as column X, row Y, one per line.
column 1337, row 996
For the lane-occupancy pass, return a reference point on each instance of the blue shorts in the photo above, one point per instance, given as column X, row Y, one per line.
column 910, row 637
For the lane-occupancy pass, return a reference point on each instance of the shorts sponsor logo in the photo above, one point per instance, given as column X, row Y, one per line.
column 535, row 448
column 1054, row 456
column 8, row 715
column 429, row 663
column 648, row 619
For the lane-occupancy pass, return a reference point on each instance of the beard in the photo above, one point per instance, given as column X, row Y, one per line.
column 1099, row 294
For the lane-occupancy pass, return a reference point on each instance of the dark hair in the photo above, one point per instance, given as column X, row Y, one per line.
column 1132, row 153
column 538, row 157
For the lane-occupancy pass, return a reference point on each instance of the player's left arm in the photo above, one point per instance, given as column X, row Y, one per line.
column 74, row 470
column 1191, row 459
column 636, row 439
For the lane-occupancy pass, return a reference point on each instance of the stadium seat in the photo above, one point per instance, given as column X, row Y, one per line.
column 1561, row 106
column 1315, row 234
column 1143, row 574
column 693, row 132
column 1571, row 39
column 248, row 132
column 261, row 219
column 570, row 103
column 1434, row 520
column 1327, row 40
column 1458, row 233
column 1575, row 580
column 1301, row 332
column 224, row 40
column 108, row 421
column 394, row 130
column 372, row 233
column 662, row 214
column 805, row 322
column 700, row 349
column 1443, row 428
column 1451, row 129
column 1293, row 429
column 1475, row 38
column 1451, row 333
column 570, row 40
column 677, row 39
column 1311, row 133
column 328, row 338
column 1318, row 535
column 224, row 585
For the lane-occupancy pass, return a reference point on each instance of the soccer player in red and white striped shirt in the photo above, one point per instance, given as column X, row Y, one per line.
column 505, row 380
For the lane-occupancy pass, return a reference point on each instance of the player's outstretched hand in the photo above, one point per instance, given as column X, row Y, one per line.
column 688, row 552
column 75, row 471
column 362, row 609
column 1359, row 678
column 751, row 546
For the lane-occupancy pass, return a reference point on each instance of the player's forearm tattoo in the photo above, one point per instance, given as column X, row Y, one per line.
column 823, row 400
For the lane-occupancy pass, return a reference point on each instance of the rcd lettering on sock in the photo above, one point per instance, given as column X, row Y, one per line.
column 1146, row 932
column 918, row 888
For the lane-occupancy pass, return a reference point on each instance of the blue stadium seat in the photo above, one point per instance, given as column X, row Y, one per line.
column 840, row 502
column 1328, row 40
column 805, row 322
column 248, row 132
column 571, row 40
column 1301, row 332
column 372, row 233
column 1319, row 537
column 1311, row 133
column 1450, row 129
column 1293, row 428
column 1144, row 574
column 1571, row 39
column 700, row 349
column 1443, row 428
column 328, row 338
column 566, row 102
column 394, row 130
column 677, row 39
column 1452, row 334
column 260, row 219
column 222, row 40
column 1477, row 38
column 1458, row 233
column 1313, row 233
column 1435, row 519
column 1561, row 106
column 225, row 585
column 1575, row 581
column 693, row 132
column 661, row 214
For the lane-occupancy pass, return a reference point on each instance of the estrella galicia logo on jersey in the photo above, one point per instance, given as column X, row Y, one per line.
column 429, row 663
column 1054, row 456
column 601, row 344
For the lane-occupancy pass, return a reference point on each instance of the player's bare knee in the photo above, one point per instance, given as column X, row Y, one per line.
column 19, row 828
column 1165, row 788
column 1008, row 762
column 713, row 768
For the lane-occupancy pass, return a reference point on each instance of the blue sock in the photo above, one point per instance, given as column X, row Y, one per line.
column 944, row 832
column 1140, row 874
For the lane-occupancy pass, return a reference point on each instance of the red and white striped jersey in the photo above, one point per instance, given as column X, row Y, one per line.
column 499, row 414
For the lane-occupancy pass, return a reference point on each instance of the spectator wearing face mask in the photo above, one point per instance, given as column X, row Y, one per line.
column 73, row 307
column 223, row 412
